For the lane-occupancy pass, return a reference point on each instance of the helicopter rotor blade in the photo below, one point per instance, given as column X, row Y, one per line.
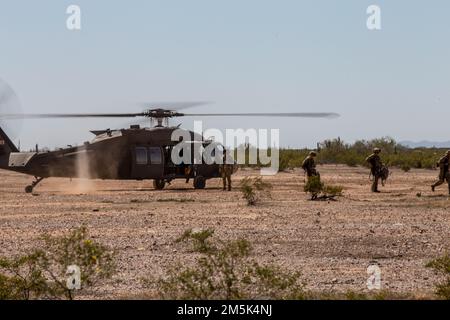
column 68, row 115
column 173, row 106
column 164, row 106
column 294, row 115
column 157, row 113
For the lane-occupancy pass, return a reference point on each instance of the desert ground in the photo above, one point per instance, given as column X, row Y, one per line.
column 331, row 242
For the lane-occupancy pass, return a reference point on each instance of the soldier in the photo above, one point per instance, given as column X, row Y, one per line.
column 443, row 165
column 375, row 167
column 309, row 165
column 226, row 171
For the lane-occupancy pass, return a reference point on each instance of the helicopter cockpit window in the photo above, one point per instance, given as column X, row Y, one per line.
column 141, row 156
column 217, row 147
column 155, row 155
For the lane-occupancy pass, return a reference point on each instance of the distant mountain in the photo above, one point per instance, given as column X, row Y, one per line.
column 425, row 144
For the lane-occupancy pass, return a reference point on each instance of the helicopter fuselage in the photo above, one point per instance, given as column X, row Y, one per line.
column 127, row 154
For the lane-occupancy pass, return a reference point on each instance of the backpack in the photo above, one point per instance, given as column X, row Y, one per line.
column 384, row 174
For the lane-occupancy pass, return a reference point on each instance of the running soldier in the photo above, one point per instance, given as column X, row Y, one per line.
column 444, row 174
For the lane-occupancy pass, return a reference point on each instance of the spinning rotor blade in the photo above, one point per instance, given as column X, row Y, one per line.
column 68, row 115
column 155, row 110
column 294, row 115
column 173, row 106
column 149, row 114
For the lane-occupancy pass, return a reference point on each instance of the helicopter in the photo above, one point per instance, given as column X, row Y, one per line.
column 135, row 153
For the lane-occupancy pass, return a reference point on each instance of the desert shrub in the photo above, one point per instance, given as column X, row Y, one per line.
column 332, row 190
column 351, row 161
column 442, row 266
column 291, row 158
column 254, row 189
column 42, row 273
column 405, row 168
column 318, row 189
column 96, row 262
column 201, row 237
column 336, row 151
column 224, row 270
column 314, row 186
column 24, row 278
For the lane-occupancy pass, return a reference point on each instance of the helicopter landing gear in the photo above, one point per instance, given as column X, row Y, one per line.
column 159, row 184
column 29, row 189
column 199, row 182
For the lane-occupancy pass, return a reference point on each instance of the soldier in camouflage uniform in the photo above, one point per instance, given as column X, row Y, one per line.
column 375, row 167
column 444, row 174
column 226, row 172
column 309, row 165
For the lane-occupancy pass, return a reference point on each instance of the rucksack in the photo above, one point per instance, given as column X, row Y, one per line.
column 384, row 174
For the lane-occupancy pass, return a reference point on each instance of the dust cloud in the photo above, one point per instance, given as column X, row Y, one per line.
column 83, row 182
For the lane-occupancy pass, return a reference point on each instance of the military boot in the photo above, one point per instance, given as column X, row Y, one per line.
column 375, row 187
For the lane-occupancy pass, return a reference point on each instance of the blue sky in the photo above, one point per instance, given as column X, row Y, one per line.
column 245, row 56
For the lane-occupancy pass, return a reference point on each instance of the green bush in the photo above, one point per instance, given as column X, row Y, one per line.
column 201, row 243
column 442, row 266
column 336, row 151
column 314, row 186
column 332, row 191
column 254, row 189
column 224, row 270
column 318, row 189
column 24, row 278
column 42, row 273
column 405, row 168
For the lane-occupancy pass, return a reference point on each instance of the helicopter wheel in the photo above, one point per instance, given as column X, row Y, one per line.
column 159, row 184
column 199, row 182
column 28, row 189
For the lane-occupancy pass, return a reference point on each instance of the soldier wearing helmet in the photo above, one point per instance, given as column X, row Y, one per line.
column 444, row 174
column 309, row 165
column 376, row 165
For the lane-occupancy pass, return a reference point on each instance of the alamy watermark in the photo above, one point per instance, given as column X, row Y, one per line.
column 73, row 22
column 73, row 274
column 374, row 19
column 374, row 273
column 263, row 147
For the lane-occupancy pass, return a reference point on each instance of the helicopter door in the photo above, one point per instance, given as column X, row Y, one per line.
column 148, row 162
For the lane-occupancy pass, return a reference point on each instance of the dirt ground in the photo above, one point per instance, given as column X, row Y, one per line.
column 331, row 243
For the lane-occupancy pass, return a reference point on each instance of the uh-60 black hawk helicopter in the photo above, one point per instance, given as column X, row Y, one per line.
column 136, row 153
